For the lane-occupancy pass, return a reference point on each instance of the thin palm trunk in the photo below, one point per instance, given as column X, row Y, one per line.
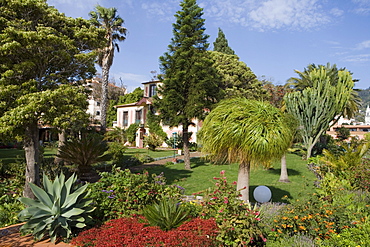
column 284, row 171
column 31, row 148
column 243, row 180
column 104, row 96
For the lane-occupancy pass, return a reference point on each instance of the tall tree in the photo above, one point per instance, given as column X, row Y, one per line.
column 237, row 79
column 245, row 131
column 190, row 83
column 221, row 44
column 107, row 19
column 315, row 107
column 41, row 52
column 304, row 80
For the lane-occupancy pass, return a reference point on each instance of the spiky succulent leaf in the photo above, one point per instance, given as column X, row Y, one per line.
column 59, row 207
column 48, row 185
column 41, row 195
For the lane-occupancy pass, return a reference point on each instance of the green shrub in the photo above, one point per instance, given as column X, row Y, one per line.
column 239, row 224
column 166, row 214
column 11, row 186
column 131, row 133
column 153, row 141
column 312, row 217
column 116, row 150
column 122, row 193
column 9, row 212
column 59, row 207
column 84, row 152
column 355, row 236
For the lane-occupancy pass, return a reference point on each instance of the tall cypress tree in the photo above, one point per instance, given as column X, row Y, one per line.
column 221, row 44
column 190, row 83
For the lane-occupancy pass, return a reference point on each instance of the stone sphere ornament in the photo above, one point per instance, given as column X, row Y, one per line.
column 262, row 194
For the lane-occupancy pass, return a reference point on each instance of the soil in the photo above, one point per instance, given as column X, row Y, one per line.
column 10, row 237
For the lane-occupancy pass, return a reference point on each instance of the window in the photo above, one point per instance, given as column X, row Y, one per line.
column 125, row 119
column 152, row 90
column 138, row 116
column 97, row 113
column 97, row 103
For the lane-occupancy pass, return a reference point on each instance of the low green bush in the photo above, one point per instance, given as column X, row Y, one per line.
column 122, row 193
column 166, row 214
column 239, row 224
column 11, row 187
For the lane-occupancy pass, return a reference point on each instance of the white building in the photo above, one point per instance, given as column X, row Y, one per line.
column 367, row 116
column 128, row 114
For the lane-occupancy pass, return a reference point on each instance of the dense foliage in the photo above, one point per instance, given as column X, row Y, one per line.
column 122, row 193
column 221, row 44
column 135, row 232
column 41, row 52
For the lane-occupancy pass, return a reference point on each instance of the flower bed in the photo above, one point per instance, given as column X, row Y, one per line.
column 135, row 232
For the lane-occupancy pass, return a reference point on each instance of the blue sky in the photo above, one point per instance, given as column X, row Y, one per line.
column 273, row 37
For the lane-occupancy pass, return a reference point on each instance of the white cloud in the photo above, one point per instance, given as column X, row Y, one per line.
column 362, row 7
column 255, row 14
column 294, row 14
column 363, row 45
column 357, row 58
column 164, row 10
column 336, row 12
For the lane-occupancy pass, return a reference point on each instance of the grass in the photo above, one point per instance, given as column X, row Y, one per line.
column 201, row 176
column 154, row 154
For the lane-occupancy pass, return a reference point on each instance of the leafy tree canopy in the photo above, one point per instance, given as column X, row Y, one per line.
column 238, row 80
column 41, row 52
column 221, row 44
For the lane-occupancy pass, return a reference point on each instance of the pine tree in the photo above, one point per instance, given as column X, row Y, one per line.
column 221, row 44
column 190, row 83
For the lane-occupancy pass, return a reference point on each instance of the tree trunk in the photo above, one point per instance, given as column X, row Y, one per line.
column 31, row 148
column 243, row 180
column 104, row 96
column 284, row 171
column 185, row 138
column 61, row 140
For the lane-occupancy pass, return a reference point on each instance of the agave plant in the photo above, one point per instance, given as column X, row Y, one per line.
column 59, row 207
column 167, row 214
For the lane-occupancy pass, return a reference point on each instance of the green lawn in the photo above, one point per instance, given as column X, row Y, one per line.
column 154, row 154
column 201, row 177
column 202, row 173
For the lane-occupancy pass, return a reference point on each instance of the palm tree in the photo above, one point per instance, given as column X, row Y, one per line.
column 83, row 153
column 304, row 80
column 107, row 19
column 245, row 131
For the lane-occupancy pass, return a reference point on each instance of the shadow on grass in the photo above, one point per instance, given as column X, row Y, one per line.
column 171, row 174
column 291, row 172
column 277, row 194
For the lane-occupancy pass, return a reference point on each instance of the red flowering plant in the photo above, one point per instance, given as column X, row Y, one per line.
column 123, row 193
column 135, row 232
column 238, row 222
